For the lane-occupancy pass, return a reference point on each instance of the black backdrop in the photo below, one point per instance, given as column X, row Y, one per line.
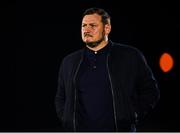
column 46, row 31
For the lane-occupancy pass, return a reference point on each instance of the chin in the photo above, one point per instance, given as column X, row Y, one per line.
column 87, row 41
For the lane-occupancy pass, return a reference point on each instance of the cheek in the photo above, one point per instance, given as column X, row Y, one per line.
column 82, row 33
column 96, row 33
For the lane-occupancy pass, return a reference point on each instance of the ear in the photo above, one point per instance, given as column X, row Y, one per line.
column 107, row 28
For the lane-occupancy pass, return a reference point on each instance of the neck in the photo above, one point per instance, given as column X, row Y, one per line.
column 100, row 46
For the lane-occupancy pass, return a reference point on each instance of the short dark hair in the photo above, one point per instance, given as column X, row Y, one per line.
column 104, row 15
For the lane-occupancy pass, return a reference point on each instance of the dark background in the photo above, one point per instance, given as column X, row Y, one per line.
column 43, row 32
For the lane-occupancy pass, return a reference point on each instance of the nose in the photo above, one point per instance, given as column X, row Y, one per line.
column 87, row 29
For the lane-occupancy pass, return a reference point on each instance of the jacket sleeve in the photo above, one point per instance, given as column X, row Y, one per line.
column 60, row 94
column 148, row 92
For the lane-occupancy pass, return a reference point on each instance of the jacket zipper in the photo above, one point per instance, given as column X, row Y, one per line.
column 74, row 113
column 115, row 119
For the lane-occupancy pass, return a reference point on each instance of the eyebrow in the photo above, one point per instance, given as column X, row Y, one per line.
column 89, row 23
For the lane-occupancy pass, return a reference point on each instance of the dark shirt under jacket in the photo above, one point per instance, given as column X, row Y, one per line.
column 95, row 104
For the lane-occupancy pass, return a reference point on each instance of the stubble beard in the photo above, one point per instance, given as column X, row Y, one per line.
column 96, row 43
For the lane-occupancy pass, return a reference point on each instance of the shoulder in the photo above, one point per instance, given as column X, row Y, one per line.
column 128, row 53
column 72, row 57
column 126, row 49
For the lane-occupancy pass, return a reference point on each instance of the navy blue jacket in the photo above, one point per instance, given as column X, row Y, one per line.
column 134, row 89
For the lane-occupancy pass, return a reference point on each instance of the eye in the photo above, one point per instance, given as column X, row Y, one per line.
column 93, row 25
column 83, row 25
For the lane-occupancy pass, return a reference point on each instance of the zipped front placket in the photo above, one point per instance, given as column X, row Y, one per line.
column 114, row 106
column 74, row 81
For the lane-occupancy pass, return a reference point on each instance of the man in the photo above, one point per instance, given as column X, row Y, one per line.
column 105, row 86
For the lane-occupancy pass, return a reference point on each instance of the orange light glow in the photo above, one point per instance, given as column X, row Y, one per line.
column 166, row 62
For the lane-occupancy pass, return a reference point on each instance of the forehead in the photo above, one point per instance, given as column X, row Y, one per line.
column 92, row 18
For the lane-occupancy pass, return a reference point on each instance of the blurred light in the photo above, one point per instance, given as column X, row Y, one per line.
column 166, row 62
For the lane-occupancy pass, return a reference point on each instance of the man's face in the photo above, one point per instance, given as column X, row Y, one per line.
column 92, row 29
